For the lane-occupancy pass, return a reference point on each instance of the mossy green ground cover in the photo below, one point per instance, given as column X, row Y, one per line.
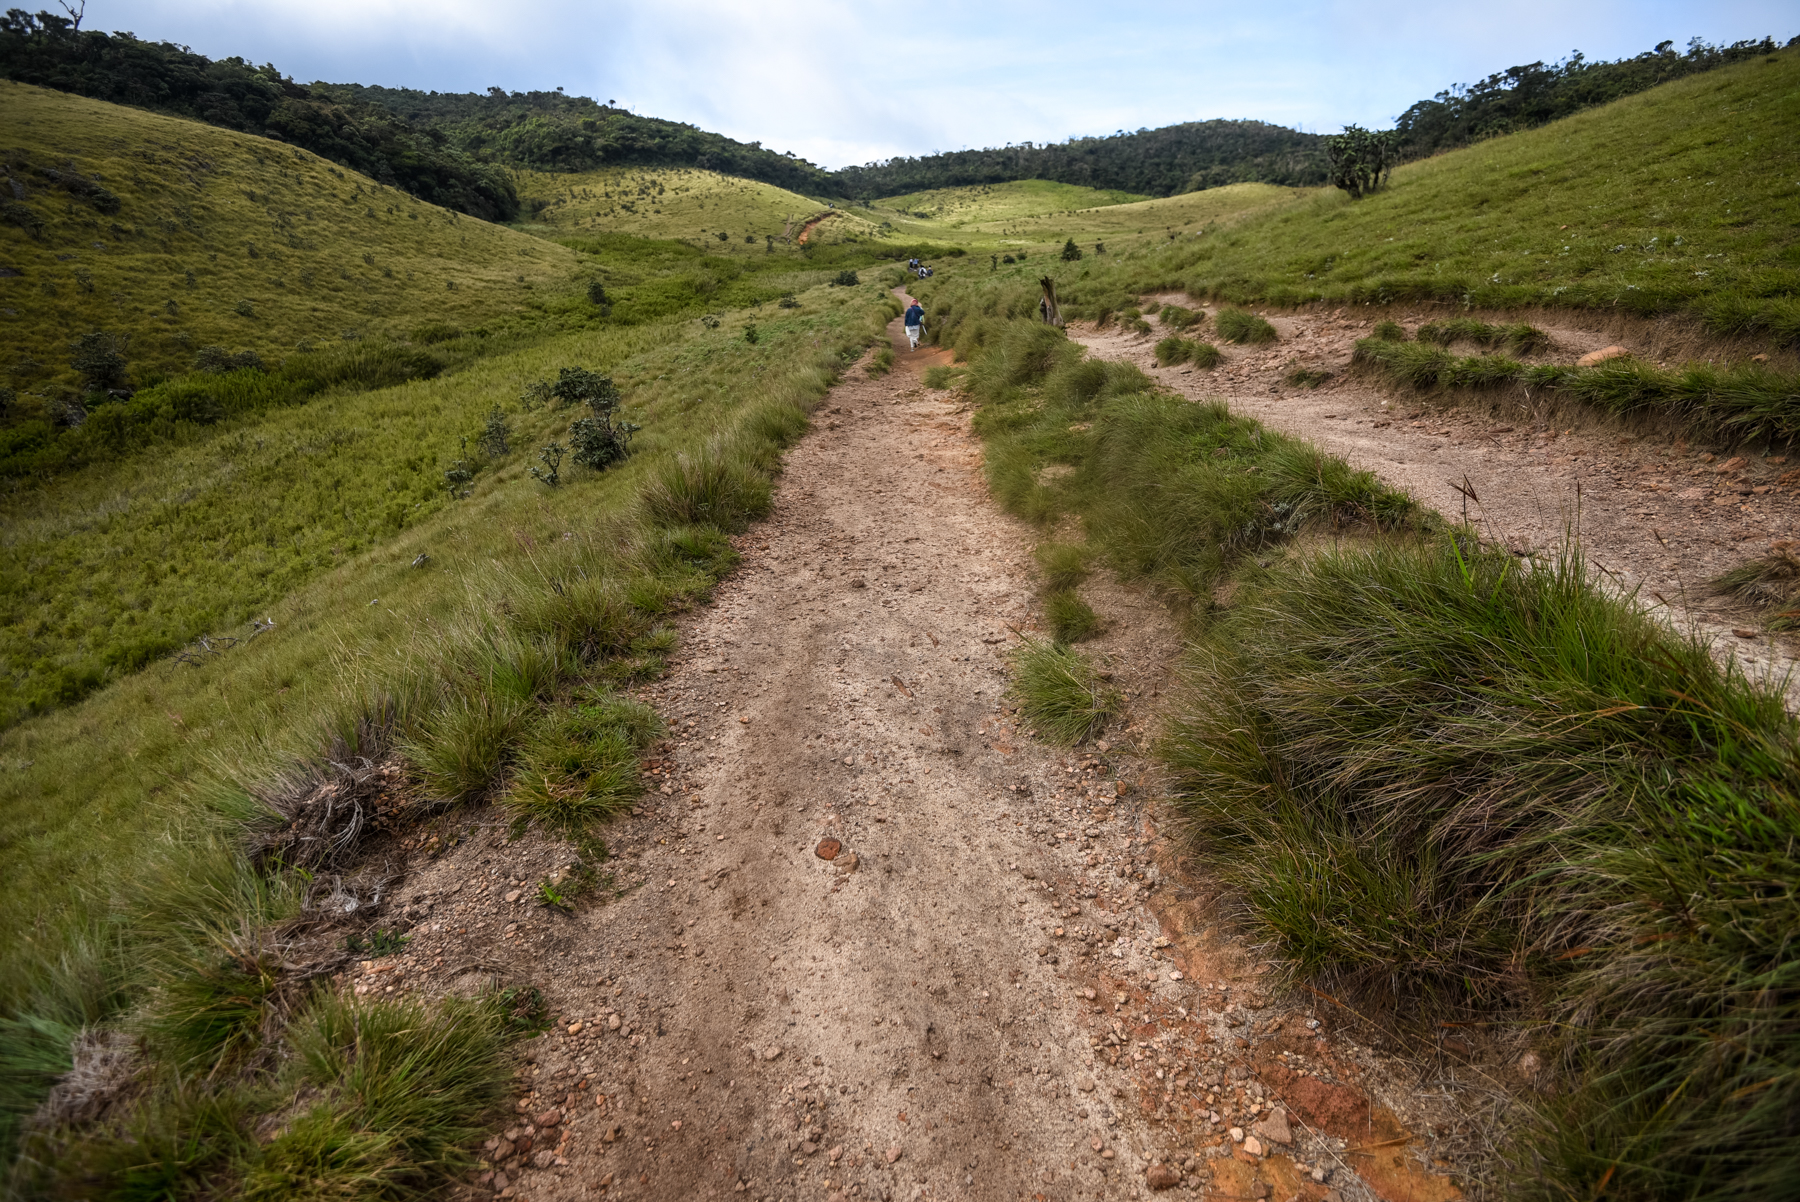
column 225, row 239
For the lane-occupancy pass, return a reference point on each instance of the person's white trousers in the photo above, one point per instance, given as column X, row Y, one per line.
column 912, row 333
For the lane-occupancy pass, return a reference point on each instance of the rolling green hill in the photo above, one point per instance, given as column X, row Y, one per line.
column 172, row 235
column 1685, row 198
column 679, row 202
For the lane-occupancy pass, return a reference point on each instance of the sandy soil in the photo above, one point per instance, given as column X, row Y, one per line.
column 865, row 940
column 1652, row 513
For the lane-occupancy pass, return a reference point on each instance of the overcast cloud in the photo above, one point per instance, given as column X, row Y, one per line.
column 842, row 83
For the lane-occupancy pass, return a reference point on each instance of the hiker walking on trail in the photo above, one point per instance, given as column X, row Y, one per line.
column 915, row 324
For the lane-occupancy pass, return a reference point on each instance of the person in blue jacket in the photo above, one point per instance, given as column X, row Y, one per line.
column 915, row 324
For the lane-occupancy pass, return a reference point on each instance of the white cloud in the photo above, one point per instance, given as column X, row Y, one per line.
column 847, row 82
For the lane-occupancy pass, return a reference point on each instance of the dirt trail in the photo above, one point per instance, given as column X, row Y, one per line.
column 1655, row 515
column 994, row 989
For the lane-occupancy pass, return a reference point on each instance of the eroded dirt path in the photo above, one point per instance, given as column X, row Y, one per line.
column 1653, row 513
column 863, row 940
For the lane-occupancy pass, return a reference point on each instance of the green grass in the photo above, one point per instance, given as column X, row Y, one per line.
column 1744, row 403
column 1061, row 694
column 1771, row 582
column 1176, row 349
column 126, row 813
column 1167, row 490
column 1685, row 198
column 1519, row 338
column 1440, row 783
column 1071, row 619
column 689, row 204
column 982, row 207
column 213, row 222
column 1235, row 325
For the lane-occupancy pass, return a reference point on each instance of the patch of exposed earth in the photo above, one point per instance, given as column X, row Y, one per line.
column 865, row 939
column 1652, row 513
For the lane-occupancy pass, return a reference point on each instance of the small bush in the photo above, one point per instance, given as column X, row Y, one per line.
column 551, row 456
column 1071, row 619
column 1178, row 317
column 1070, row 252
column 845, row 279
column 496, row 435
column 1236, row 325
column 1060, row 693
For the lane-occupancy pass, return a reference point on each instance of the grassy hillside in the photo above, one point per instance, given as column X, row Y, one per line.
column 987, row 204
column 684, row 203
column 1683, row 198
column 125, row 815
column 1035, row 214
column 176, row 235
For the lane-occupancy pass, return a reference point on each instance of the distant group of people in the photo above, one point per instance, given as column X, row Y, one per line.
column 919, row 269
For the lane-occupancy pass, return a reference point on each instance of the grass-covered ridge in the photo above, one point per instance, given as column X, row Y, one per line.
column 1441, row 784
column 1684, row 198
column 206, row 237
column 681, row 202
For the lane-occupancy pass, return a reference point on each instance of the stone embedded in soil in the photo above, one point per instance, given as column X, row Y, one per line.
column 827, row 849
column 1162, row 1176
column 1601, row 356
column 1275, row 1128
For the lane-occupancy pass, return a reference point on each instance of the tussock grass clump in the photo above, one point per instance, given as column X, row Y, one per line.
column 1518, row 337
column 715, row 486
column 881, row 363
column 1742, row 403
column 1388, row 330
column 1071, row 619
column 1237, row 325
column 1065, row 565
column 579, row 766
column 1439, row 778
column 1175, row 349
column 1060, row 693
column 1305, row 377
column 1179, row 317
column 1772, row 582
column 942, row 375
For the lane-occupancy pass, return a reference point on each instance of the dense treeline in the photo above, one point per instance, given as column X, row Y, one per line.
column 549, row 131
column 1150, row 162
column 51, row 52
column 1532, row 95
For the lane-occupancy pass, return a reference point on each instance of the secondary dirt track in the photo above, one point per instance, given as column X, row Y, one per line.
column 992, row 992
column 1652, row 513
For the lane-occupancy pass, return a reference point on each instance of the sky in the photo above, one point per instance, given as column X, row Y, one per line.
column 847, row 81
